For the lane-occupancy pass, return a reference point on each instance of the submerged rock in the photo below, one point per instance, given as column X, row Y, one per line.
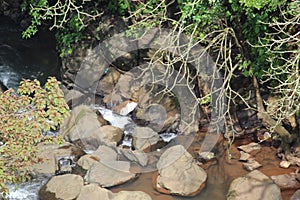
column 255, row 186
column 178, row 173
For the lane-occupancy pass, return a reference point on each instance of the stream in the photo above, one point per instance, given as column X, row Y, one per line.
column 37, row 58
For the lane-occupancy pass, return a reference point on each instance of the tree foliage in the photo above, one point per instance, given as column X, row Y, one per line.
column 23, row 120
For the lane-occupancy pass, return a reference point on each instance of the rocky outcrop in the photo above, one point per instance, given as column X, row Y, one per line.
column 178, row 173
column 254, row 186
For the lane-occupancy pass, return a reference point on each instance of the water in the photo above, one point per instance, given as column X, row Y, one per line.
column 35, row 58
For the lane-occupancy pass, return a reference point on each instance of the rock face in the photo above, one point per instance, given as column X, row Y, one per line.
column 66, row 187
column 178, row 173
column 253, row 186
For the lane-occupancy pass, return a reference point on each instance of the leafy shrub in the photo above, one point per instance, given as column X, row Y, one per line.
column 23, row 119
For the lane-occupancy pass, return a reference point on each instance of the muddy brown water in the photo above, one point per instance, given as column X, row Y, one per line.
column 220, row 173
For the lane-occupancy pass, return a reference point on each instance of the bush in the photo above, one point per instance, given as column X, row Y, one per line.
column 23, row 119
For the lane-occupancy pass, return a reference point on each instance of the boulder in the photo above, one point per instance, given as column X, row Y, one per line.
column 244, row 156
column 93, row 191
column 65, row 187
column 105, row 153
column 109, row 173
column 48, row 154
column 144, row 137
column 296, row 195
column 108, row 82
column 254, row 186
column 81, row 124
column 137, row 156
column 87, row 161
column 109, row 135
column 286, row 181
column 178, row 173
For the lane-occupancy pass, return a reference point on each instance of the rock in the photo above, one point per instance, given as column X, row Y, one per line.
column 255, row 186
column 108, row 82
column 206, row 156
column 109, row 135
column 49, row 155
column 293, row 160
column 131, row 195
column 251, row 165
column 74, row 98
column 109, row 173
column 284, row 164
column 66, row 187
column 250, row 147
column 105, row 153
column 178, row 173
column 137, row 156
column 125, row 107
column 244, row 156
column 81, row 124
column 144, row 137
column 87, row 161
column 296, row 195
column 92, row 191
column 286, row 181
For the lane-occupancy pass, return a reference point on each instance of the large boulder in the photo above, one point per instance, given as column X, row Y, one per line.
column 84, row 125
column 178, row 173
column 65, row 187
column 109, row 173
column 254, row 186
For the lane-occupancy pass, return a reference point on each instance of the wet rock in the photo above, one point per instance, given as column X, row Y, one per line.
column 255, row 186
column 109, row 173
column 93, row 191
column 49, row 154
column 137, row 156
column 178, row 173
column 144, row 137
column 250, row 147
column 296, row 195
column 244, row 156
column 251, row 165
column 284, row 164
column 108, row 82
column 286, row 181
column 66, row 187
